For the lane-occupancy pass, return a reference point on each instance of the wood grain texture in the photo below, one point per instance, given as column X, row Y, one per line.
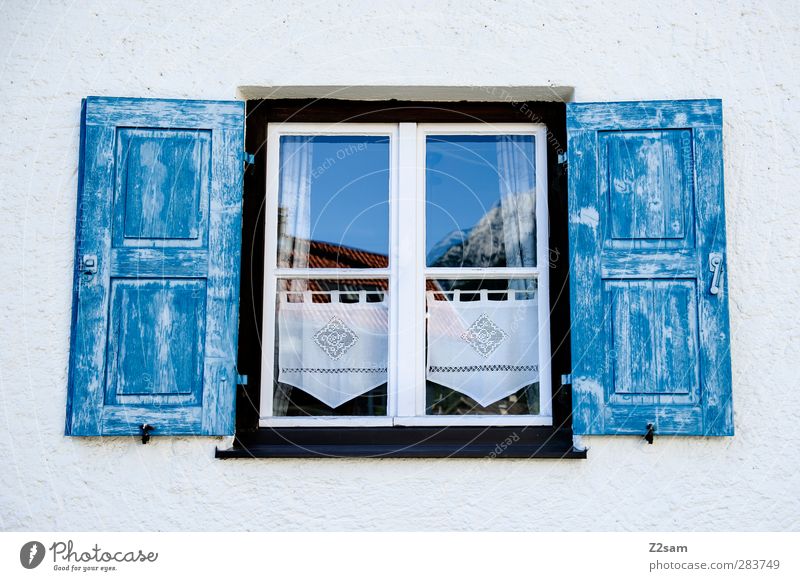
column 154, row 330
column 650, row 343
column 155, row 353
column 162, row 188
column 163, row 113
column 644, row 115
column 647, row 184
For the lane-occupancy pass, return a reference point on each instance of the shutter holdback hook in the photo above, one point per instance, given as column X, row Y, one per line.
column 146, row 429
column 651, row 432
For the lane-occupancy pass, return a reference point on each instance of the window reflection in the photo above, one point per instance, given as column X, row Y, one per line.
column 480, row 201
column 331, row 347
column 482, row 347
column 333, row 202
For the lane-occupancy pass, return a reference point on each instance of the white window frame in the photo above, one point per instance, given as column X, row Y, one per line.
column 407, row 273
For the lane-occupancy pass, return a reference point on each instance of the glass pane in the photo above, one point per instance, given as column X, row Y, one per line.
column 482, row 347
column 331, row 348
column 333, row 202
column 480, row 201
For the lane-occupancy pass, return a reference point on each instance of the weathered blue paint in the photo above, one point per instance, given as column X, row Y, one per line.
column 650, row 341
column 155, row 347
column 154, row 330
column 163, row 185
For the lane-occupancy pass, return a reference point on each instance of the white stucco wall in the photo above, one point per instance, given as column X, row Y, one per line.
column 54, row 54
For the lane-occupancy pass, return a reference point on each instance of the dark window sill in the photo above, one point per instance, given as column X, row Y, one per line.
column 405, row 442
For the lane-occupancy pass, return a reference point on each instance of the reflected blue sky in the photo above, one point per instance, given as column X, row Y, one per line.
column 349, row 190
column 349, row 179
column 462, row 185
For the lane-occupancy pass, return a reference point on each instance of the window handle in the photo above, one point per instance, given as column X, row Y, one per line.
column 715, row 266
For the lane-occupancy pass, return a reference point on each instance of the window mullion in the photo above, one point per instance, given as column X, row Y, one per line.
column 407, row 303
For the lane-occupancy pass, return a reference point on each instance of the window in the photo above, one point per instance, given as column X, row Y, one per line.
column 420, row 280
column 404, row 280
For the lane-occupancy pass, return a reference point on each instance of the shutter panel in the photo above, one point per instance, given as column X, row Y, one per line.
column 650, row 331
column 156, row 288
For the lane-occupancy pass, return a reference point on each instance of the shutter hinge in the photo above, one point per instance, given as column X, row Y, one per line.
column 566, row 379
column 249, row 158
column 241, row 379
column 563, row 166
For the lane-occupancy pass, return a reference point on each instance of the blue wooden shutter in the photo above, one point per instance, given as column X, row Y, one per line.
column 650, row 332
column 156, row 291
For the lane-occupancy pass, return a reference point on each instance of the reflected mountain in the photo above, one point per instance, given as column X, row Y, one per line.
column 455, row 239
column 481, row 245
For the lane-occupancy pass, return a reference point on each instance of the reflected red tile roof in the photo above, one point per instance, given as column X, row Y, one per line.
column 327, row 255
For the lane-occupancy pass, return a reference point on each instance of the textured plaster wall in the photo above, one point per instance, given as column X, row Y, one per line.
column 55, row 53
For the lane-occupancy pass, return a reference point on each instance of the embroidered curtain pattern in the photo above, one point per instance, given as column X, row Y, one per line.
column 334, row 351
column 486, row 349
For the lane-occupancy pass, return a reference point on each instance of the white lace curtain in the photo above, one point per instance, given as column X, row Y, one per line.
column 333, row 351
column 516, row 175
column 295, row 201
column 486, row 349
